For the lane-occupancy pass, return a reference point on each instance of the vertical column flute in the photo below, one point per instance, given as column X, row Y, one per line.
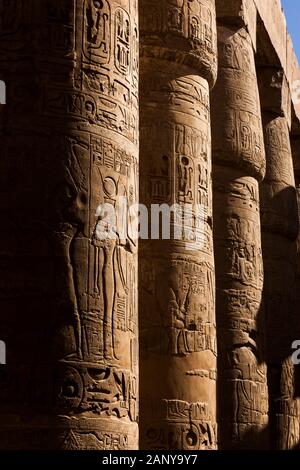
column 238, row 166
column 176, row 273
column 68, row 289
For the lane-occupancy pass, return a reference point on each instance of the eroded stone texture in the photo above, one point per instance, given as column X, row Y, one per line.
column 69, row 142
column 176, row 279
column 279, row 216
column 238, row 165
column 295, row 143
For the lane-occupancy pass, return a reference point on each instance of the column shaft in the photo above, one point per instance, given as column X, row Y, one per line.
column 176, row 279
column 238, row 165
column 68, row 293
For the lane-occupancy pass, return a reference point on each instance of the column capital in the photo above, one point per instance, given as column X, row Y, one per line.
column 181, row 31
column 237, row 133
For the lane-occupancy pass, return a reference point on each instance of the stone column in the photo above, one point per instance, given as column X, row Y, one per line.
column 238, row 166
column 279, row 231
column 279, row 217
column 69, row 143
column 176, row 274
column 295, row 143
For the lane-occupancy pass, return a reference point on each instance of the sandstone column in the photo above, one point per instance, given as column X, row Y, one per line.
column 279, row 218
column 69, row 143
column 295, row 143
column 176, row 276
column 238, row 166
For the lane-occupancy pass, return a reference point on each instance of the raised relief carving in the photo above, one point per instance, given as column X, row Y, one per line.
column 201, row 24
column 176, row 276
column 191, row 24
column 78, row 125
column 280, row 226
column 239, row 163
column 237, row 127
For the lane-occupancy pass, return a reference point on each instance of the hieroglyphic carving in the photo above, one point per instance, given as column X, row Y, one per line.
column 75, row 138
column 284, row 407
column 239, row 140
column 278, row 193
column 176, row 279
column 242, row 379
column 191, row 24
column 59, row 38
column 187, row 426
column 14, row 15
column 182, row 321
column 239, row 161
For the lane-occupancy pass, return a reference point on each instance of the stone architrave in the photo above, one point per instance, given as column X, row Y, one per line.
column 238, row 166
column 68, row 292
column 176, row 275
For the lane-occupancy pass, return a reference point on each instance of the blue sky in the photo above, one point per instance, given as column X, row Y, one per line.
column 292, row 13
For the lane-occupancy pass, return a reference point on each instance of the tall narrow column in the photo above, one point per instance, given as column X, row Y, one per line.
column 295, row 143
column 279, row 216
column 176, row 278
column 279, row 231
column 238, row 165
column 69, row 143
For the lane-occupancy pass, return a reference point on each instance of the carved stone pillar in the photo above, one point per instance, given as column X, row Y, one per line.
column 238, row 166
column 279, row 231
column 295, row 143
column 69, row 143
column 176, row 278
column 279, row 217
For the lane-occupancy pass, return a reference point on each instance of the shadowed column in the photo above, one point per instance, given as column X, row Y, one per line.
column 238, row 165
column 68, row 291
column 176, row 275
column 295, row 143
column 279, row 218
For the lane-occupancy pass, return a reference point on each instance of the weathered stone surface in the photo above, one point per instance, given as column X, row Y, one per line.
column 236, row 127
column 69, row 142
column 279, row 211
column 238, row 164
column 243, row 397
column 181, row 31
column 69, row 137
column 176, row 280
column 280, row 226
column 284, row 409
column 240, row 13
